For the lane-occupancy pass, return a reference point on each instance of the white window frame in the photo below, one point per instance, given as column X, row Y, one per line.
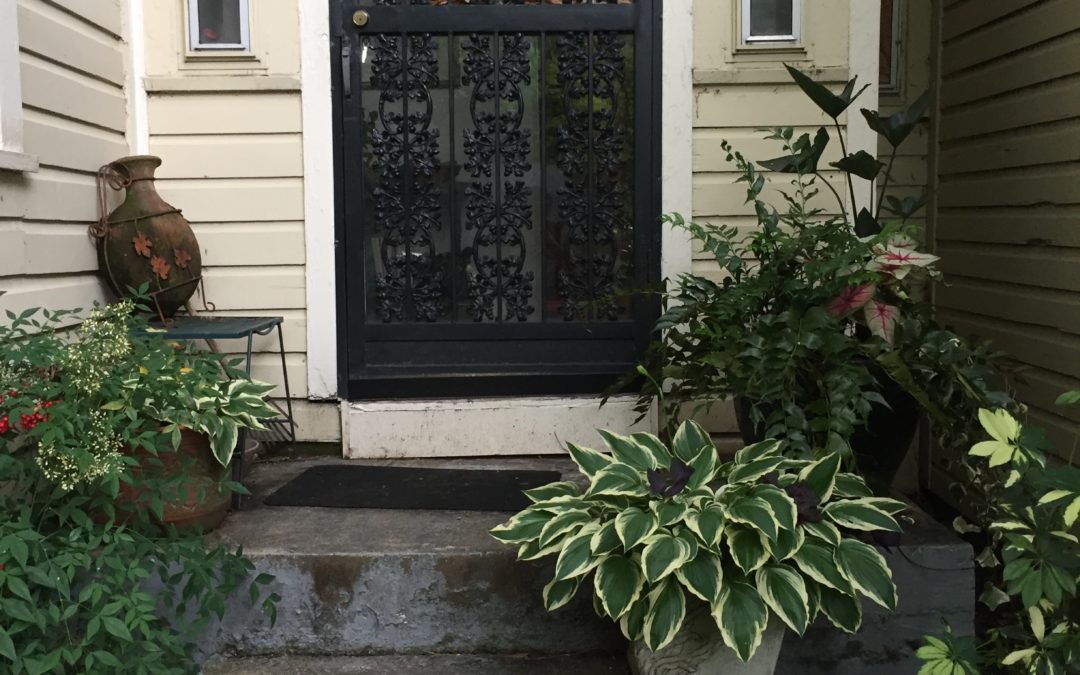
column 197, row 47
column 895, row 85
column 12, row 157
column 796, row 27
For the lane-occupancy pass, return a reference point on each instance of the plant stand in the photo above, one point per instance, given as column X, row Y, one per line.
column 698, row 648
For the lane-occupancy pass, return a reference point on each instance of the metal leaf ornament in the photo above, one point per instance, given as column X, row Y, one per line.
column 832, row 104
column 670, row 482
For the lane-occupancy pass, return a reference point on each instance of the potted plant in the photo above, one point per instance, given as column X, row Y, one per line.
column 88, row 584
column 703, row 563
column 819, row 329
column 1029, row 505
column 96, row 393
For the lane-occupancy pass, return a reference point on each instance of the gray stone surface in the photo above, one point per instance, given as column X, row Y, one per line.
column 439, row 664
column 360, row 582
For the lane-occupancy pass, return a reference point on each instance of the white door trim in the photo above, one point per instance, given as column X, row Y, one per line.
column 318, row 139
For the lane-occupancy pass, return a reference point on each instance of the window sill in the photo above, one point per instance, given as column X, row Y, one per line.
column 10, row 160
column 223, row 83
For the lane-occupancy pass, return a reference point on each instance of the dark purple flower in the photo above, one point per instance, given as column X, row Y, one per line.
column 806, row 502
column 670, row 482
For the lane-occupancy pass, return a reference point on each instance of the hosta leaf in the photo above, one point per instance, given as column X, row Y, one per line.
column 663, row 554
column 523, row 527
column 823, row 531
column 689, row 440
column 821, row 475
column 783, row 590
column 755, row 469
column 618, row 582
column 558, row 593
column 667, row 609
column 632, row 622
column 841, row 609
column 707, row 524
column 655, row 447
column 866, row 569
column 563, row 524
column 670, row 513
column 634, row 525
column 856, row 514
column 606, row 539
column 783, row 507
column 851, row 486
column 748, row 547
column 577, row 558
column 628, row 451
column 741, row 615
column 756, row 451
column 588, row 460
column 619, row 480
column 552, row 490
column 704, row 466
column 817, row 561
column 702, row 576
column 755, row 512
column 787, row 543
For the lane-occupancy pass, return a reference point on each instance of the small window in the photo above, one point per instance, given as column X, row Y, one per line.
column 218, row 25
column 891, row 60
column 770, row 21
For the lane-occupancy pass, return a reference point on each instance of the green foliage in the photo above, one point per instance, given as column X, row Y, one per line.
column 750, row 538
column 1030, row 508
column 87, row 586
column 812, row 312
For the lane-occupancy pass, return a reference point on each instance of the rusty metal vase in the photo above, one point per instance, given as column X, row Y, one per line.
column 147, row 241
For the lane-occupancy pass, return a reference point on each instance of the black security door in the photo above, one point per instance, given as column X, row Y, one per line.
column 497, row 194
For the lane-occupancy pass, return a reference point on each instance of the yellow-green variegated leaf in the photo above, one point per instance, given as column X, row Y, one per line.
column 660, row 453
column 588, row 460
column 992, row 450
column 552, row 490
column 756, row 451
column 702, row 576
column 558, row 593
column 562, row 524
column 618, row 582
column 689, row 439
column 850, row 485
column 707, row 524
column 532, row 550
column 820, row 476
column 632, row 623
column 1055, row 495
column 667, row 609
column 1000, row 425
column 629, row 451
column 704, row 464
column 859, row 514
column 783, row 506
column 523, row 527
column 1072, row 511
column 783, row 590
column 606, row 539
column 749, row 548
column 824, row 531
column 842, row 610
column 816, row 559
column 634, row 525
column 755, row 512
column 669, row 513
column 663, row 555
column 619, row 480
column 741, row 616
column 787, row 543
column 753, row 470
column 576, row 558
column 866, row 569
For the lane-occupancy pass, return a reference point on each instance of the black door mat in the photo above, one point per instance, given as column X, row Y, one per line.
column 394, row 487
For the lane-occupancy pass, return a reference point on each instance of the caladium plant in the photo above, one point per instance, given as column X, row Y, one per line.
column 663, row 527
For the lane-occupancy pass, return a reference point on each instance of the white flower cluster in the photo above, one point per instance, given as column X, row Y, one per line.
column 102, row 341
column 97, row 455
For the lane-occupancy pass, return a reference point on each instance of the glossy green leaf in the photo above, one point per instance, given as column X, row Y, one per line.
column 783, row 590
column 558, row 593
column 667, row 609
column 897, row 127
column 576, row 558
column 627, row 450
column 703, row 576
column 707, row 524
column 689, row 440
column 820, row 476
column 618, row 582
column 619, row 480
column 866, row 569
column 523, row 527
column 663, row 554
column 857, row 514
column 606, row 539
column 817, row 560
column 634, row 525
column 861, row 164
column 831, row 104
column 552, row 490
column 755, row 512
column 749, row 548
column 741, row 615
column 841, row 609
column 589, row 461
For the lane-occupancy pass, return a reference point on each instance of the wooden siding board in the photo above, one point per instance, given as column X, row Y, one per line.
column 1048, row 184
column 54, row 292
column 1052, row 102
column 1042, row 267
column 1045, row 20
column 239, row 200
column 1038, row 65
column 964, row 17
column 1046, row 224
column 61, row 38
column 53, row 88
column 1043, row 347
column 253, row 113
column 741, row 106
column 255, row 288
column 229, row 156
column 60, row 142
column 1032, row 146
column 1036, row 306
column 105, row 14
column 251, row 244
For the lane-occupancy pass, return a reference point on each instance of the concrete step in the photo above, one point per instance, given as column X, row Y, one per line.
column 362, row 581
column 358, row 582
column 431, row 664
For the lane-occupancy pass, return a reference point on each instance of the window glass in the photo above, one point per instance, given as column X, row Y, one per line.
column 219, row 23
column 771, row 18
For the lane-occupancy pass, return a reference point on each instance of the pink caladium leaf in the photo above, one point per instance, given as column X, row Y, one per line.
column 850, row 299
column 897, row 262
column 882, row 318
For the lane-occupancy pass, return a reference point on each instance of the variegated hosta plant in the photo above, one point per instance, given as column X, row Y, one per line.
column 660, row 527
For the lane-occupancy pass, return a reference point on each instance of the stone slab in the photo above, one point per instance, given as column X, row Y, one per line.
column 434, row 664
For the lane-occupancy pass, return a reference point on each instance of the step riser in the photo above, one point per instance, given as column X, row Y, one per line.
column 474, row 603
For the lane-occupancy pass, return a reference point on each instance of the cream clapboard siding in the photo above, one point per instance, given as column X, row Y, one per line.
column 1008, row 218
column 738, row 92
column 229, row 135
column 72, row 62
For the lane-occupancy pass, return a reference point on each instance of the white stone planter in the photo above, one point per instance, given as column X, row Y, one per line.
column 699, row 649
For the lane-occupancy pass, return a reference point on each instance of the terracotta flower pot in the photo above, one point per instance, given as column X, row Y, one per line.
column 201, row 501
column 147, row 241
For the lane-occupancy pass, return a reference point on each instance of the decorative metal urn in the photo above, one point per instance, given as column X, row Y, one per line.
column 145, row 240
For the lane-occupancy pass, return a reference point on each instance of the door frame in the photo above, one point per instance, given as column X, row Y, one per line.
column 326, row 335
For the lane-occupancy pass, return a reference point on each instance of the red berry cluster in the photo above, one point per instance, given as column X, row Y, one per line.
column 26, row 421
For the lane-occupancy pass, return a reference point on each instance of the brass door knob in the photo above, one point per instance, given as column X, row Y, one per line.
column 360, row 18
